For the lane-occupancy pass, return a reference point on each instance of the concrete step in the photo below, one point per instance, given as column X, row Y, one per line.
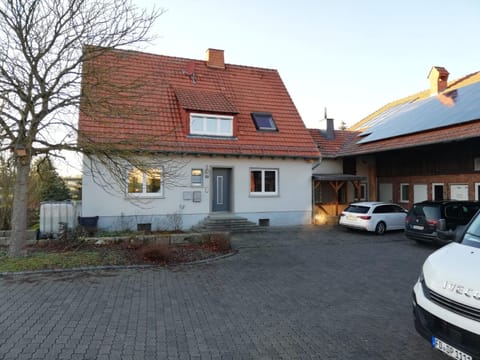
column 230, row 223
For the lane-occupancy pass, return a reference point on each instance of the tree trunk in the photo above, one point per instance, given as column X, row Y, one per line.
column 18, row 238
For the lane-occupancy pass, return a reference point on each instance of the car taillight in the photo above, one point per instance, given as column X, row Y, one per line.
column 407, row 219
column 342, row 214
column 365, row 217
column 432, row 222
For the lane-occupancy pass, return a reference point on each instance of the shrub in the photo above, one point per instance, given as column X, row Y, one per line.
column 218, row 241
column 155, row 252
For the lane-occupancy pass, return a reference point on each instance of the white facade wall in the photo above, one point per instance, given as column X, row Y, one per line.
column 117, row 211
column 329, row 166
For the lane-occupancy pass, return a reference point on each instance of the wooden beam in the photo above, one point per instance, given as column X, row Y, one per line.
column 336, row 185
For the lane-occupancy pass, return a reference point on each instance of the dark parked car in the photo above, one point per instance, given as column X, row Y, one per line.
column 434, row 221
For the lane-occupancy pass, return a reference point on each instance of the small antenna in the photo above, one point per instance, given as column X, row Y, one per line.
column 190, row 71
column 325, row 113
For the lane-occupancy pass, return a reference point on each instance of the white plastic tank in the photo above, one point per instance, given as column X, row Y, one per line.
column 52, row 213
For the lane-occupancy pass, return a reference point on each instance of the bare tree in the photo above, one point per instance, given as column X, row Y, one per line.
column 7, row 178
column 42, row 49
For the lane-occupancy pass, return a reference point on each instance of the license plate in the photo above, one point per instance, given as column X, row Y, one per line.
column 352, row 217
column 417, row 227
column 449, row 350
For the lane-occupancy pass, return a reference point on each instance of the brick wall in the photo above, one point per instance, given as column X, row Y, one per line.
column 469, row 179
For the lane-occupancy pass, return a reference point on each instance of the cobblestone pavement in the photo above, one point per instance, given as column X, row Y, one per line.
column 292, row 293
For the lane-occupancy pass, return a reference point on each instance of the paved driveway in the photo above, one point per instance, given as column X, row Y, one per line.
column 298, row 293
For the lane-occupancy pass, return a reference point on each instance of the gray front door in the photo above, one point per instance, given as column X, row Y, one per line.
column 221, row 189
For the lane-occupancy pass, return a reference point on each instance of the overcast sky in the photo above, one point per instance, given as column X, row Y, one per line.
column 350, row 56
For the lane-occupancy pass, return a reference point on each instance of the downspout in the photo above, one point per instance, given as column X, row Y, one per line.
column 312, row 186
column 312, row 182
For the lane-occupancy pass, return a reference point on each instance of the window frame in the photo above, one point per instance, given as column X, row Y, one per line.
column 145, row 176
column 363, row 192
column 477, row 191
column 205, row 131
column 403, row 198
column 264, row 193
column 255, row 117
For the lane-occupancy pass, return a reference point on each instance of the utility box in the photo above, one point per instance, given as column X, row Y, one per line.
column 53, row 213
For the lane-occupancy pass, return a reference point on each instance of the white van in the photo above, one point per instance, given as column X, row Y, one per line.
column 446, row 297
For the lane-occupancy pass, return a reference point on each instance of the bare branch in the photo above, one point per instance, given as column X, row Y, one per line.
column 42, row 56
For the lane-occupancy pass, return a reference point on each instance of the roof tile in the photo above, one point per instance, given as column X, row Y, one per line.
column 146, row 112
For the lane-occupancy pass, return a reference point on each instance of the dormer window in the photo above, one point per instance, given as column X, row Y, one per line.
column 264, row 121
column 211, row 125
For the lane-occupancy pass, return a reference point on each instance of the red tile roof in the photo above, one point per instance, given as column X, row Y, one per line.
column 144, row 97
column 330, row 148
column 204, row 101
column 455, row 132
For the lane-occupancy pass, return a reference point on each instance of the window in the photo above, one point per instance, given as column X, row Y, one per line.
column 197, row 177
column 263, row 182
column 148, row 182
column 404, row 192
column 215, row 125
column 476, row 164
column 363, row 191
column 264, row 121
column 383, row 209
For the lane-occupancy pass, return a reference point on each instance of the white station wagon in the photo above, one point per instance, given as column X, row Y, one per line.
column 377, row 217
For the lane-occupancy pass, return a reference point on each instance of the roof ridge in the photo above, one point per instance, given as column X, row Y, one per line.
column 149, row 54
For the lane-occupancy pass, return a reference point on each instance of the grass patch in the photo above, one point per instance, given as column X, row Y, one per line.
column 55, row 260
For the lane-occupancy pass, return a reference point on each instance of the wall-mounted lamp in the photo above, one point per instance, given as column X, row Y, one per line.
column 206, row 172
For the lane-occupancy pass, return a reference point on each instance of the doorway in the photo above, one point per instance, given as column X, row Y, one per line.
column 221, row 189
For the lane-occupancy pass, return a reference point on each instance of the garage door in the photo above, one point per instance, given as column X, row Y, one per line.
column 385, row 192
column 420, row 192
column 459, row 192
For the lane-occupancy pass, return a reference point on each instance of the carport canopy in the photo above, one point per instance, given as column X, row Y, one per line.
column 338, row 177
column 336, row 181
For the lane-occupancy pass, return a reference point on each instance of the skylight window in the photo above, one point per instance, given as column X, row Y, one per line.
column 264, row 121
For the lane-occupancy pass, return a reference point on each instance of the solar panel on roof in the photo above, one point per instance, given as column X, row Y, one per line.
column 450, row 108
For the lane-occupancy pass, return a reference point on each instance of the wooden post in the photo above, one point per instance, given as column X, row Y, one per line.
column 336, row 185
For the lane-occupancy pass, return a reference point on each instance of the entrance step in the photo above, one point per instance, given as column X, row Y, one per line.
column 230, row 223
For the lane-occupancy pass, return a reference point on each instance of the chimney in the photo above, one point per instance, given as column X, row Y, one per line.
column 215, row 59
column 438, row 77
column 330, row 134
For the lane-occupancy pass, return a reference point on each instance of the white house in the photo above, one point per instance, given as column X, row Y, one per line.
column 219, row 139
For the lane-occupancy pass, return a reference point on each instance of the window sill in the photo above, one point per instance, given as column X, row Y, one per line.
column 200, row 136
column 263, row 195
column 144, row 196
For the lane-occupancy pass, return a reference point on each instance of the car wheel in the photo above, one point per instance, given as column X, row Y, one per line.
column 380, row 228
